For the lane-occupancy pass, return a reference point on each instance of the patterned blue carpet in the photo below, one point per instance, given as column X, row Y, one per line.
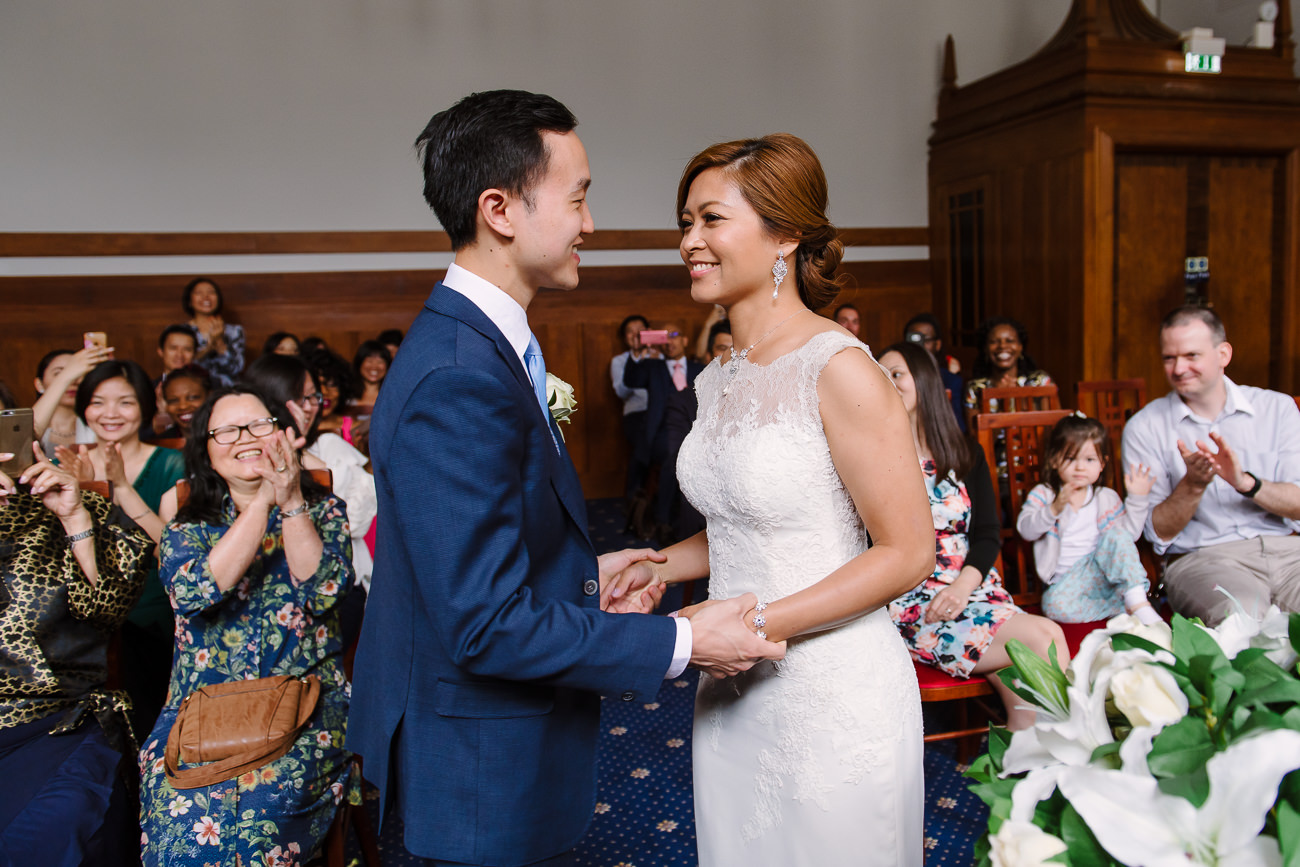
column 645, row 812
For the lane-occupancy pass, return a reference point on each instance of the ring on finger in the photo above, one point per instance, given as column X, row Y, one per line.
column 282, row 468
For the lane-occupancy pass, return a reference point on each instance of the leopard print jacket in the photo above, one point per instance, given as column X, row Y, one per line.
column 54, row 625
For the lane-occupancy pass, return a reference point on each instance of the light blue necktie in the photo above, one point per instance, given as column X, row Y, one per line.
column 537, row 373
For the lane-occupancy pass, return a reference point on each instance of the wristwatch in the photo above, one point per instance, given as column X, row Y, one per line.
column 1250, row 495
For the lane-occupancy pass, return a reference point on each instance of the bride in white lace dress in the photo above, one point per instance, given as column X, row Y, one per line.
column 801, row 448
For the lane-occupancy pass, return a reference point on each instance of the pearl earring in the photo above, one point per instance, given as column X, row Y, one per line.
column 779, row 270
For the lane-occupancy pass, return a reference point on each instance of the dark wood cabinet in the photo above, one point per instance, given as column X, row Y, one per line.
column 1069, row 190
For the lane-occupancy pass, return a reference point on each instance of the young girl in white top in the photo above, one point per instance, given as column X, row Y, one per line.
column 1083, row 534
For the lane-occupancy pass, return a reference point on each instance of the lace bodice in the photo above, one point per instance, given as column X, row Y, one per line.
column 757, row 462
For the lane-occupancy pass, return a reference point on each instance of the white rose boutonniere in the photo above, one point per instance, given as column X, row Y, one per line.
column 560, row 399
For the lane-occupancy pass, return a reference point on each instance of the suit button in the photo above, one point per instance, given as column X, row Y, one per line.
column 591, row 587
column 627, row 696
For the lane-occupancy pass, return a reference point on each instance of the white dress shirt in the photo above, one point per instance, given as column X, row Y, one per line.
column 1261, row 426
column 512, row 319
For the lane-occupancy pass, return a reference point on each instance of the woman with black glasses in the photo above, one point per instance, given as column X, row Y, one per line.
column 256, row 564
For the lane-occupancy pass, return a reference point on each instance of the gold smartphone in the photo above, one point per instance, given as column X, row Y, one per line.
column 16, row 435
column 94, row 338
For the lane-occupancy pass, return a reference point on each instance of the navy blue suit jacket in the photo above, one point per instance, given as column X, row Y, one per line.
column 483, row 653
column 652, row 375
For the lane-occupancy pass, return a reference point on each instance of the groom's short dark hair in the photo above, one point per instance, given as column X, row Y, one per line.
column 487, row 140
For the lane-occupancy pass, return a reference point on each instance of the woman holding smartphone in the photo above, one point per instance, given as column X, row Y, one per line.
column 54, row 415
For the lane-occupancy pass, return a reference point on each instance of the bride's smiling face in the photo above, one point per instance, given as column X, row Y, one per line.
column 724, row 243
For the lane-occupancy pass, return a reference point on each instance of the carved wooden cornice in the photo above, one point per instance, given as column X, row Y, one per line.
column 1115, row 51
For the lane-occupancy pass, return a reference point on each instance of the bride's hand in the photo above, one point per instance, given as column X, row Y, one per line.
column 629, row 581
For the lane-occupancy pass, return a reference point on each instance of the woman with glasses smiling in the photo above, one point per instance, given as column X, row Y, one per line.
column 256, row 564
column 287, row 379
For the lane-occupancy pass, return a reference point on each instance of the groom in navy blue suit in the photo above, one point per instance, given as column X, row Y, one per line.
column 484, row 653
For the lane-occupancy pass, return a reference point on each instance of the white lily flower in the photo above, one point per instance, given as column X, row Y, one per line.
column 1023, row 844
column 1148, row 695
column 1240, row 630
column 1071, row 738
column 1138, row 824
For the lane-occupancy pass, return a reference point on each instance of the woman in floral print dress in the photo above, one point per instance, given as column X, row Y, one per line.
column 255, row 565
column 961, row 617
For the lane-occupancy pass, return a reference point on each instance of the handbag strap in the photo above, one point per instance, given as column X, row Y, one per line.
column 233, row 766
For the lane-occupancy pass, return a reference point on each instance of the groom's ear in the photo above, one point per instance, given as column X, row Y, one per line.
column 493, row 212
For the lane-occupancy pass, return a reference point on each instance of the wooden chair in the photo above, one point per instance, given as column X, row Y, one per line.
column 1112, row 402
column 1020, row 398
column 103, row 488
column 1024, row 435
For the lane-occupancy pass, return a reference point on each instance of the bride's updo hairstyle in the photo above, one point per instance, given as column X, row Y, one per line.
column 782, row 180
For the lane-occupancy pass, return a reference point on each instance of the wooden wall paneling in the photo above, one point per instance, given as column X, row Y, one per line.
column 1240, row 244
column 1097, row 262
column 576, row 329
column 1288, row 262
column 1150, row 244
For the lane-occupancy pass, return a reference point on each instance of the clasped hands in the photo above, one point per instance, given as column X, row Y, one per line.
column 1203, row 465
column 723, row 642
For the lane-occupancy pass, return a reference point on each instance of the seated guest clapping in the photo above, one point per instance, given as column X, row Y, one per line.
column 337, row 387
column 116, row 400
column 177, row 346
column 256, row 564
column 286, row 379
column 370, row 366
column 71, row 565
column 184, row 391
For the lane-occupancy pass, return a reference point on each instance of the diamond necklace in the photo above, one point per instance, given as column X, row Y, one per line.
column 733, row 366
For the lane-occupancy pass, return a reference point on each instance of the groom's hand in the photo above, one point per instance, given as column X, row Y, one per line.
column 629, row 582
column 721, row 643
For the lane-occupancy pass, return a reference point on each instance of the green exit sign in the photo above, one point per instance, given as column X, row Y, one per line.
column 1202, row 63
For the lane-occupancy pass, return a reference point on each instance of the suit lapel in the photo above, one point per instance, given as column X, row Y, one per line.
column 564, row 479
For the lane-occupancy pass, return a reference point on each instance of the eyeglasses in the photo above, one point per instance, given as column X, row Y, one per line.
column 229, row 434
column 311, row 399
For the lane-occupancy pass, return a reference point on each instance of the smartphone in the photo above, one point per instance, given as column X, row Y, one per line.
column 93, row 339
column 16, row 434
column 649, row 338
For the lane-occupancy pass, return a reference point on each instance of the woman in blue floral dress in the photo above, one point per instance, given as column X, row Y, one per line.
column 255, row 564
column 961, row 617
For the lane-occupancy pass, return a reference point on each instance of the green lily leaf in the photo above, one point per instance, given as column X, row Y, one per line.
column 999, row 740
column 1181, row 748
column 1128, row 641
column 1043, row 678
column 1193, row 787
column 1190, row 642
column 1288, row 834
column 1084, row 850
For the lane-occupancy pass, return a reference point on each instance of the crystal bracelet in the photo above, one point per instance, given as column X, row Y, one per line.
column 759, row 620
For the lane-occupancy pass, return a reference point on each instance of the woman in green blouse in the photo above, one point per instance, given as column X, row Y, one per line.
column 116, row 399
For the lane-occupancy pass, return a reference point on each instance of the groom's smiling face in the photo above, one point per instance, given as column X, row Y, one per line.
column 547, row 235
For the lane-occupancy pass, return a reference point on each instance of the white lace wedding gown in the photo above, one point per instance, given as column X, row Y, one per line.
column 815, row 760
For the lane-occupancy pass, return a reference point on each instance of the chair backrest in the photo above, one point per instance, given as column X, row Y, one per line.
column 1020, row 398
column 323, row 477
column 1024, row 434
column 1112, row 402
column 102, row 487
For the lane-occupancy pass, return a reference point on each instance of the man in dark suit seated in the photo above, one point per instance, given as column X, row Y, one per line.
column 670, row 411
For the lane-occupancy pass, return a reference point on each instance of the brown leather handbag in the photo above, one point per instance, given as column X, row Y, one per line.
column 237, row 727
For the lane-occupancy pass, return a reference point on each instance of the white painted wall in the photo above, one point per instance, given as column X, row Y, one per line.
column 194, row 115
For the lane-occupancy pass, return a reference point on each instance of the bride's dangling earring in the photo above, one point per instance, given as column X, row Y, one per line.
column 779, row 270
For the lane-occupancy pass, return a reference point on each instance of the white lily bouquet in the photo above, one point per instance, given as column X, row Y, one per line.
column 1159, row 747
